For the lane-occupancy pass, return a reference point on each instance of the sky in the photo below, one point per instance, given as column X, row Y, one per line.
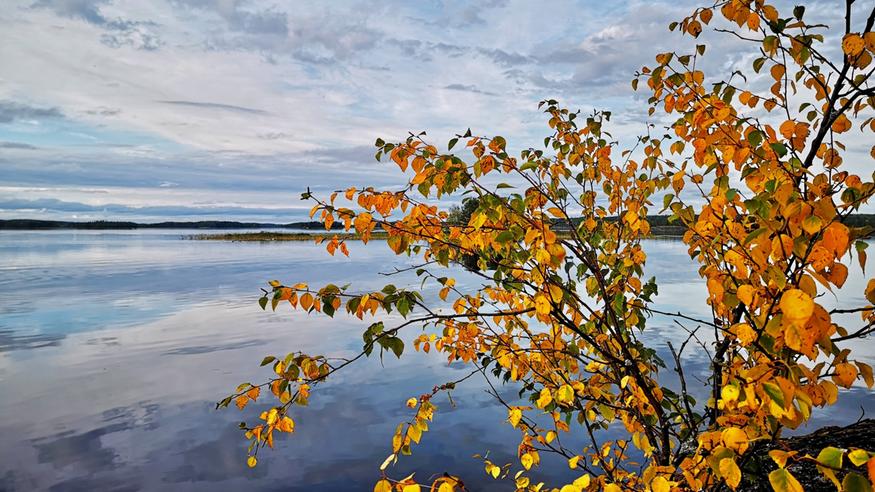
column 154, row 110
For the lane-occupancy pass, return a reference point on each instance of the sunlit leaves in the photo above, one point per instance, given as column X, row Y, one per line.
column 796, row 305
column 751, row 167
column 783, row 481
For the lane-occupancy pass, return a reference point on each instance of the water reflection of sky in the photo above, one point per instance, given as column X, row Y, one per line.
column 115, row 346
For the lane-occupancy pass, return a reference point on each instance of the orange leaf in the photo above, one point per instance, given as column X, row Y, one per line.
column 796, row 305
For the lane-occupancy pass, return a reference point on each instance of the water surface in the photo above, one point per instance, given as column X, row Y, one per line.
column 115, row 346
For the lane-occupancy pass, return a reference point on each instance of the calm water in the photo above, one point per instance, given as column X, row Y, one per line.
column 114, row 347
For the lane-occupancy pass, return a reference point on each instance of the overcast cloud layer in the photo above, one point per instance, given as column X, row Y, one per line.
column 207, row 109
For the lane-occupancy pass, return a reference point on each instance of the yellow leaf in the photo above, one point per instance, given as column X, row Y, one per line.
column 527, row 460
column 383, row 486
column 386, row 462
column 796, row 305
column 556, row 212
column 414, row 433
column 542, row 304
column 866, row 372
column 730, row 472
column 272, row 416
column 572, row 462
column 612, row 487
column 746, row 335
column 729, row 393
column 446, row 487
column 413, row 487
column 582, row 481
column 252, row 461
column 783, row 481
column 412, row 402
column 514, row 415
column 745, row 294
column 734, row 438
column 544, row 399
column 812, row 224
column 858, row 457
column 660, row 484
column 779, row 457
column 565, row 394
column 556, row 292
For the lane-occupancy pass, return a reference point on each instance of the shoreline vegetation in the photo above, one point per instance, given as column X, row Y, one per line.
column 862, row 224
column 271, row 236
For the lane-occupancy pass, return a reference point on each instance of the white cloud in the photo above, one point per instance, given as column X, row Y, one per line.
column 206, row 89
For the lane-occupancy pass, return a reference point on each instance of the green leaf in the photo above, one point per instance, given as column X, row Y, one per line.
column 452, row 143
column 754, row 234
column 267, row 360
column 774, row 393
column 779, row 149
column 758, row 64
column 403, row 306
column 504, row 237
column 395, row 344
column 798, row 12
column 666, row 200
column 755, row 138
column 831, row 457
column 854, row 482
column 263, row 302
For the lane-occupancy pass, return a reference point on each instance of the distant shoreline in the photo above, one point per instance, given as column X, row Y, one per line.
column 660, row 226
column 41, row 225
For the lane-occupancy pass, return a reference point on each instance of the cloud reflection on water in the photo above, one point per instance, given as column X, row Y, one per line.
column 111, row 367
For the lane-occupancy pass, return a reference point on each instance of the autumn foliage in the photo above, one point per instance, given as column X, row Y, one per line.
column 752, row 165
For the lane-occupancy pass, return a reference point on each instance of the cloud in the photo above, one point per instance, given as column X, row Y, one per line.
column 241, row 18
column 16, row 145
column 120, row 32
column 12, row 111
column 49, row 205
column 251, row 101
column 468, row 88
column 219, row 106
column 103, row 111
column 87, row 10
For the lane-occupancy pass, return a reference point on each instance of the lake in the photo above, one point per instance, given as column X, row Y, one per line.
column 115, row 346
